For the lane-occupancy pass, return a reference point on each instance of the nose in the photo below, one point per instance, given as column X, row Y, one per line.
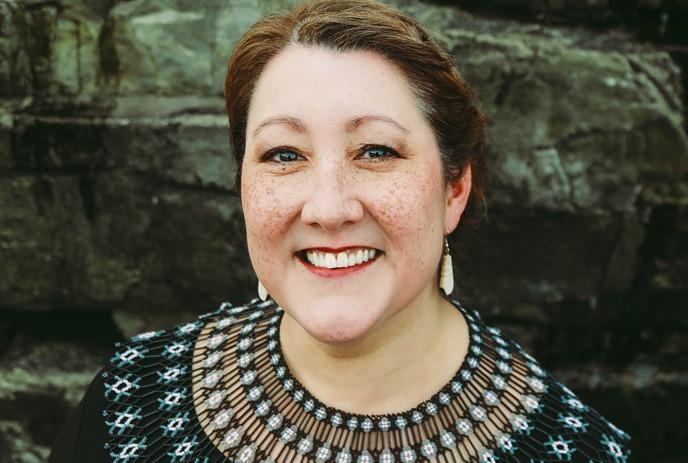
column 332, row 199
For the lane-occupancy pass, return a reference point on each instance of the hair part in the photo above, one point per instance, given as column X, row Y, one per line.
column 443, row 96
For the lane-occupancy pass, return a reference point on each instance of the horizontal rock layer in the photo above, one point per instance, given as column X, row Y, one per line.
column 119, row 211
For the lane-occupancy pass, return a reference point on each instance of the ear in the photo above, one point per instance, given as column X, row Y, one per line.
column 457, row 194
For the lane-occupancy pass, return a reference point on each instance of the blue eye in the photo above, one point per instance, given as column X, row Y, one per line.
column 377, row 152
column 283, row 155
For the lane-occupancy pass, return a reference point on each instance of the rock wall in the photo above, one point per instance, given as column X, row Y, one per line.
column 117, row 212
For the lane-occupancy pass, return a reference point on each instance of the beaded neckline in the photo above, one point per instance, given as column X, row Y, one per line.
column 217, row 389
column 457, row 418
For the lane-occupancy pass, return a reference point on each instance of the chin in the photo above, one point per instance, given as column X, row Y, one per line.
column 336, row 334
column 335, row 322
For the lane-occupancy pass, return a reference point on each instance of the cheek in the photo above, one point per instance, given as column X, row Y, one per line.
column 410, row 204
column 266, row 213
column 409, row 208
column 263, row 206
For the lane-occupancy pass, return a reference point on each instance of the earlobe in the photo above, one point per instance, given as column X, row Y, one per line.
column 457, row 198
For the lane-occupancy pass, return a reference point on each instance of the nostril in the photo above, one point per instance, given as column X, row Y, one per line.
column 331, row 213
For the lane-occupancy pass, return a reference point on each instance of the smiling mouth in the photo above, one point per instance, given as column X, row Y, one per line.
column 334, row 260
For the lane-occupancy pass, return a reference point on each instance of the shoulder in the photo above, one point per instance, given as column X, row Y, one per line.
column 83, row 435
column 174, row 346
column 552, row 423
column 155, row 359
column 149, row 385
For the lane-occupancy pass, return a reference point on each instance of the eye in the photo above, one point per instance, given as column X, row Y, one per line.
column 282, row 155
column 377, row 152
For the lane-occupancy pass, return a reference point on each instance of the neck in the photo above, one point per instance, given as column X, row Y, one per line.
column 398, row 364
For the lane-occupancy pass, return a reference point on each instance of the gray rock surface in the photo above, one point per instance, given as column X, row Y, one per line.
column 117, row 198
column 41, row 382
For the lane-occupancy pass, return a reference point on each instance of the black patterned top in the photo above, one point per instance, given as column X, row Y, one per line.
column 218, row 389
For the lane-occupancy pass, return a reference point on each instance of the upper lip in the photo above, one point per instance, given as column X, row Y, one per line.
column 339, row 249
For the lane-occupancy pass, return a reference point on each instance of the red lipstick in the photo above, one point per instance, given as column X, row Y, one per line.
column 333, row 250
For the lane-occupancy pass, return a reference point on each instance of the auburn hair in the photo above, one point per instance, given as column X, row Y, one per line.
column 444, row 97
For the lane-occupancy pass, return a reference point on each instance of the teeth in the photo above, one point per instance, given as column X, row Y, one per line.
column 340, row 259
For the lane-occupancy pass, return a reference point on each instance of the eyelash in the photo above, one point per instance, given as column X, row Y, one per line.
column 269, row 156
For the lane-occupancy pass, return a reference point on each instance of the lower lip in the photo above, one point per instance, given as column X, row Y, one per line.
column 337, row 272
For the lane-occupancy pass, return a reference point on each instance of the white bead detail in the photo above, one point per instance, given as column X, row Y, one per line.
column 447, row 274
column 262, row 292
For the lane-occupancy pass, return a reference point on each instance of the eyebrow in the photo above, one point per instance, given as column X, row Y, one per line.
column 351, row 125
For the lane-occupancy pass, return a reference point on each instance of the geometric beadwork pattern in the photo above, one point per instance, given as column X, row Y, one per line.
column 218, row 389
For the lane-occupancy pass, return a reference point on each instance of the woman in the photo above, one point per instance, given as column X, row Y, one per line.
column 359, row 146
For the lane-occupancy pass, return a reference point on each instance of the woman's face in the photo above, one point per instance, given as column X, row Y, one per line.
column 342, row 191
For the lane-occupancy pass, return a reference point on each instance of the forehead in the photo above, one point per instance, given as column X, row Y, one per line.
column 318, row 84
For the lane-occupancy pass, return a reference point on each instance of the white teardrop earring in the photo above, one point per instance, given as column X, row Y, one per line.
column 262, row 292
column 446, row 271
